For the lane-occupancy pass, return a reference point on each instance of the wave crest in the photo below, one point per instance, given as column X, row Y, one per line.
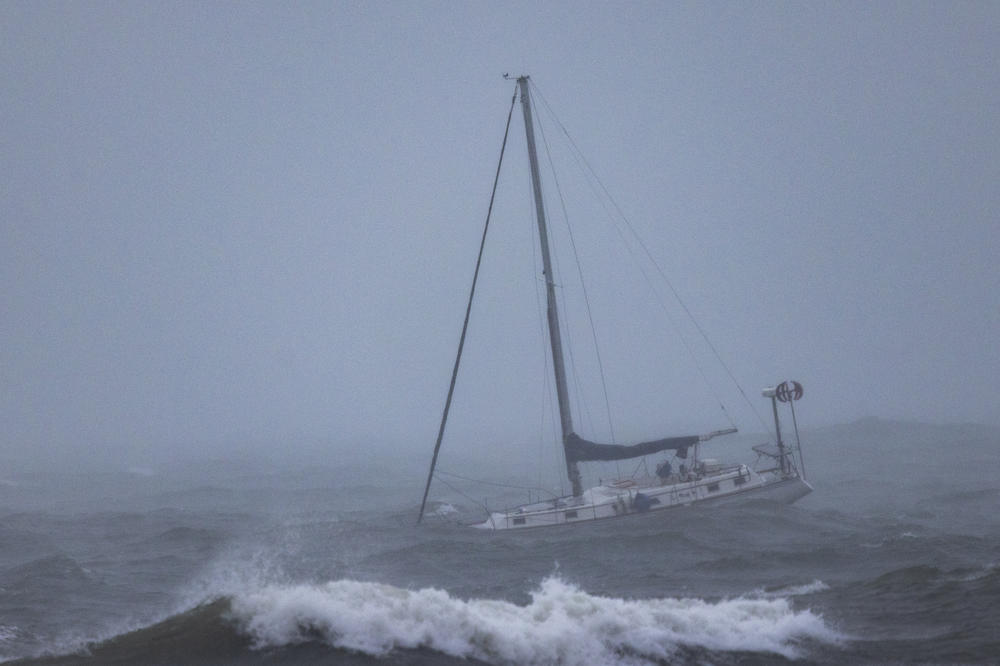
column 561, row 624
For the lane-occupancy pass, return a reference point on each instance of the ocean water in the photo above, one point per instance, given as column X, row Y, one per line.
column 895, row 558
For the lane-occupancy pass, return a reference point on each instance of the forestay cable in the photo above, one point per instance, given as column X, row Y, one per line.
column 468, row 311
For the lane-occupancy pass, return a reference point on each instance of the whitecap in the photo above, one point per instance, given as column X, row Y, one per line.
column 979, row 574
column 561, row 625
column 7, row 632
column 797, row 590
column 445, row 509
column 902, row 536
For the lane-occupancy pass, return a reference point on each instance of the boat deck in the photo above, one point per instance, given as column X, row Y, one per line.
column 639, row 496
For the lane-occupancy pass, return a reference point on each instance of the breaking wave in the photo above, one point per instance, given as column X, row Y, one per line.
column 560, row 625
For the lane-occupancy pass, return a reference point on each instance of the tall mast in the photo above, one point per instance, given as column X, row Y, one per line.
column 558, row 364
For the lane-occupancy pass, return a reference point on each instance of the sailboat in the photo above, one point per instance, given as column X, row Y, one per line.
column 696, row 480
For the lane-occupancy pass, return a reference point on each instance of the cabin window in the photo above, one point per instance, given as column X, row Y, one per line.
column 571, row 514
column 713, row 488
column 519, row 521
column 739, row 481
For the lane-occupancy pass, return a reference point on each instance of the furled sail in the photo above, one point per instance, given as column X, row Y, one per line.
column 579, row 449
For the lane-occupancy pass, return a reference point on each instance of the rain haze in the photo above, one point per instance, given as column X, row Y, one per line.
column 236, row 243
column 227, row 224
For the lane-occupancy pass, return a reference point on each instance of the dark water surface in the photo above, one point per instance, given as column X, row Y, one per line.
column 895, row 558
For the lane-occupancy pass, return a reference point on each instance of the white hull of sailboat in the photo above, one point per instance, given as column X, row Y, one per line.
column 653, row 496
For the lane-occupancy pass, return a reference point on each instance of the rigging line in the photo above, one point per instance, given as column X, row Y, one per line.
column 548, row 409
column 471, row 499
column 649, row 256
column 468, row 311
column 637, row 466
column 551, row 412
column 590, row 176
column 494, row 483
column 649, row 283
column 545, row 397
column 582, row 408
column 666, row 311
column 583, row 284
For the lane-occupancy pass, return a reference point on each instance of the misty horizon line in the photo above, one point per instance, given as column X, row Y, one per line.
column 353, row 449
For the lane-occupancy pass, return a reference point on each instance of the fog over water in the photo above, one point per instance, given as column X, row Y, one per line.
column 250, row 228
column 236, row 241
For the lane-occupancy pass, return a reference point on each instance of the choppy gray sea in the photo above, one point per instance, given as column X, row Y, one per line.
column 895, row 558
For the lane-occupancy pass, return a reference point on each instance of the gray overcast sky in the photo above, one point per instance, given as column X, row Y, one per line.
column 224, row 221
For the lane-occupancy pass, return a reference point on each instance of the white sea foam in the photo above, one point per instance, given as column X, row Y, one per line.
column 797, row 590
column 979, row 574
column 892, row 539
column 445, row 509
column 7, row 632
column 561, row 624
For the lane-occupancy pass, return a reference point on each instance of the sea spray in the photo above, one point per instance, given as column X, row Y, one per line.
column 561, row 624
column 8, row 633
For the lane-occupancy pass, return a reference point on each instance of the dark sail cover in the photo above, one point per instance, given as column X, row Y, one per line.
column 579, row 449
